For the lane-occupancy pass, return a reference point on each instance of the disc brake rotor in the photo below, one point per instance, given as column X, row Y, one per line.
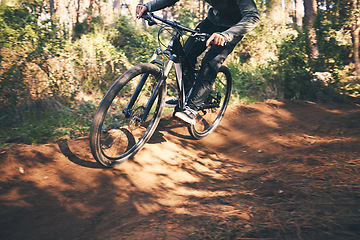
column 135, row 118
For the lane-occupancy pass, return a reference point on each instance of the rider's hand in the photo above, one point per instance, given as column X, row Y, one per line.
column 140, row 9
column 216, row 39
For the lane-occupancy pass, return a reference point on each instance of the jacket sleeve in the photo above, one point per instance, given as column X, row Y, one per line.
column 159, row 4
column 250, row 19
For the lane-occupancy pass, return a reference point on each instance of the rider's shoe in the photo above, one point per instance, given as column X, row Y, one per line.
column 172, row 102
column 188, row 115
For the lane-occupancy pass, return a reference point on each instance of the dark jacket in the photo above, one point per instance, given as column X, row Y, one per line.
column 241, row 16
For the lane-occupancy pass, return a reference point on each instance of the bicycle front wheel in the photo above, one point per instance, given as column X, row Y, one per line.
column 128, row 115
column 213, row 109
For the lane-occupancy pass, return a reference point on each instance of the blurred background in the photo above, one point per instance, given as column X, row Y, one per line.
column 58, row 57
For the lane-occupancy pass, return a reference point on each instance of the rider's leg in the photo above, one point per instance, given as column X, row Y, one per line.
column 192, row 49
column 210, row 65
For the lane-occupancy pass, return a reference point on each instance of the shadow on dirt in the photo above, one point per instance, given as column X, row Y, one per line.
column 64, row 148
column 276, row 170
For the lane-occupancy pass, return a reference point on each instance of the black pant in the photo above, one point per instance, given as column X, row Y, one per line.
column 210, row 64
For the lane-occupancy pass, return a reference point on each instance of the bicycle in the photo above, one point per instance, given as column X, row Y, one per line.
column 131, row 109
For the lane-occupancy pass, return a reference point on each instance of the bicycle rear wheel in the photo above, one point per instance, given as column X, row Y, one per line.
column 213, row 109
column 119, row 129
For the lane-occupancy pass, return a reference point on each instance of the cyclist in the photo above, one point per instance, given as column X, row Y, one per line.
column 227, row 22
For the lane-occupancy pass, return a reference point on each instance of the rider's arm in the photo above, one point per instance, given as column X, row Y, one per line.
column 249, row 20
column 217, row 39
column 159, row 4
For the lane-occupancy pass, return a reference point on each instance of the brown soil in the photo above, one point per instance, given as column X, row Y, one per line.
column 274, row 170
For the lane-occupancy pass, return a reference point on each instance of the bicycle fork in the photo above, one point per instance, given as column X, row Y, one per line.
column 128, row 111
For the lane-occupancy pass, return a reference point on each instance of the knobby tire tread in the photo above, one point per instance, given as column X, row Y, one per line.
column 120, row 83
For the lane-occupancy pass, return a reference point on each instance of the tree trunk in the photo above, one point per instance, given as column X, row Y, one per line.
column 203, row 10
column 78, row 12
column 298, row 18
column 116, row 6
column 52, row 7
column 310, row 7
column 356, row 36
column 165, row 13
column 275, row 11
column 89, row 15
column 355, row 29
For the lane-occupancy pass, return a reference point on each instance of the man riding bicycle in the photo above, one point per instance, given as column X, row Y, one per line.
column 227, row 23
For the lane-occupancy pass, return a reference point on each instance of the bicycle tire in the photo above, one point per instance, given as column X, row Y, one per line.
column 213, row 110
column 116, row 134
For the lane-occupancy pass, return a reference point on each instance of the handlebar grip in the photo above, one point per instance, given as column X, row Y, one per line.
column 148, row 16
column 202, row 37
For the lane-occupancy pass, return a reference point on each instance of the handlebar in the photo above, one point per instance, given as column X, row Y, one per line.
column 150, row 18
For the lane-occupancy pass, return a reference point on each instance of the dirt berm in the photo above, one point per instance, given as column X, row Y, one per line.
column 272, row 170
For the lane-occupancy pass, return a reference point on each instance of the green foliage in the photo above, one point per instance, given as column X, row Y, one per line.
column 253, row 62
column 43, row 70
column 27, row 46
column 253, row 83
column 95, row 61
column 334, row 43
column 137, row 44
column 273, row 62
column 105, row 53
column 49, row 125
column 261, row 44
column 187, row 18
column 91, row 25
column 293, row 68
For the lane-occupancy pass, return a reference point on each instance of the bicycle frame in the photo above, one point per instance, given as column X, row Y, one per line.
column 175, row 53
column 114, row 141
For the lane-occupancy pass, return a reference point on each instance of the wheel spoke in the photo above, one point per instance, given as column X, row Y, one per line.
column 214, row 107
column 123, row 132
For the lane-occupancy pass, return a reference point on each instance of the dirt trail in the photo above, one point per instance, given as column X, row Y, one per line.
column 274, row 170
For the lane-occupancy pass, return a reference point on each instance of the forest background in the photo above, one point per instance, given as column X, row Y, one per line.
column 58, row 57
